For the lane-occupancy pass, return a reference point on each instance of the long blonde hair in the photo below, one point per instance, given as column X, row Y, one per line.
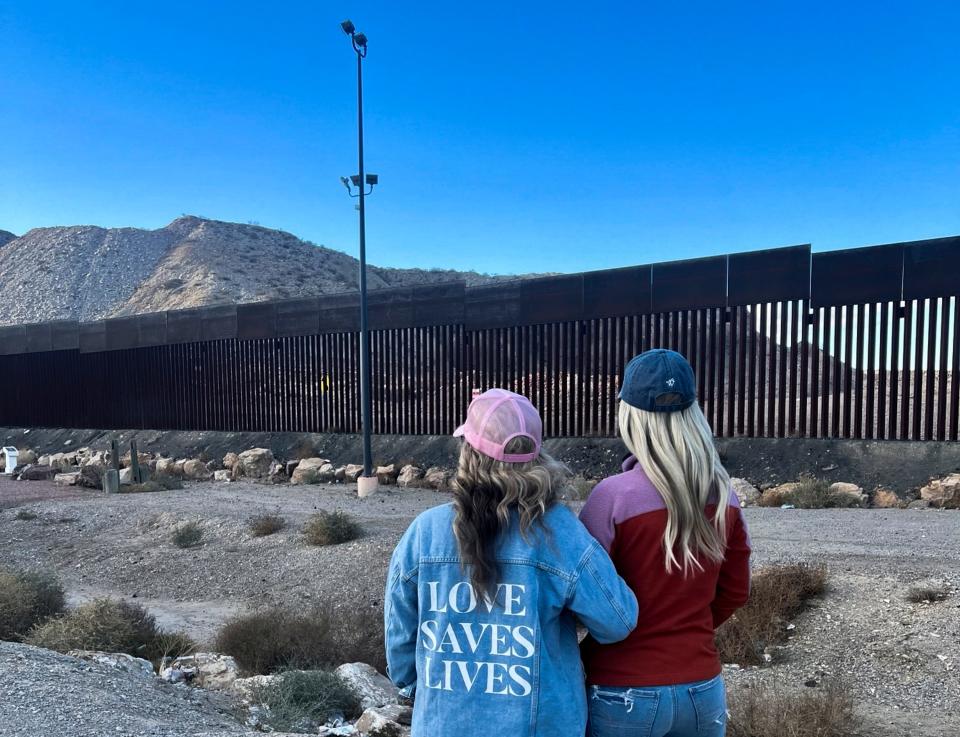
column 484, row 493
column 676, row 451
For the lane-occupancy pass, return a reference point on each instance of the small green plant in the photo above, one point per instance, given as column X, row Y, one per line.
column 304, row 700
column 927, row 594
column 27, row 598
column 274, row 640
column 777, row 594
column 266, row 524
column 331, row 528
column 188, row 535
column 774, row 711
column 25, row 515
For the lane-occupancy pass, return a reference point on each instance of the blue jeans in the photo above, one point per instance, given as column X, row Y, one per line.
column 685, row 710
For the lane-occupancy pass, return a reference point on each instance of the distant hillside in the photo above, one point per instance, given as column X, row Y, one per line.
column 88, row 273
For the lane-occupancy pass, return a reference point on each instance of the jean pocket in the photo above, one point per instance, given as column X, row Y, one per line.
column 710, row 705
column 622, row 712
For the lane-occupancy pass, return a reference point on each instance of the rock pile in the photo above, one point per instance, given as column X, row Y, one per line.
column 943, row 492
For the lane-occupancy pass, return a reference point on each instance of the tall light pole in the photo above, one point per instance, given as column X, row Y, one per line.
column 366, row 484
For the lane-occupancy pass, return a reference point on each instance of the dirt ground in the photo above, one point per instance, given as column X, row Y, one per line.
column 902, row 659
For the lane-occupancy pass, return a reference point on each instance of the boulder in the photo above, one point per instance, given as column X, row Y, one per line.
column 747, row 493
column 62, row 461
column 410, row 475
column 222, row 475
column 885, row 499
column 943, row 492
column 165, row 467
column 919, row 504
column 437, row 478
column 214, row 465
column 37, row 473
column 386, row 720
column 851, row 491
column 67, row 479
column 97, row 459
column 27, row 457
column 212, row 670
column 326, row 473
column 291, row 467
column 126, row 476
column 142, row 458
column 255, row 463
column 230, row 460
column 308, row 471
column 120, row 661
column 43, row 460
column 340, row 474
column 375, row 690
column 91, row 477
column 387, row 475
column 246, row 688
column 352, row 472
column 196, row 470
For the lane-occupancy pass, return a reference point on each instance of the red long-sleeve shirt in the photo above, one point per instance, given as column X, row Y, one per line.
column 674, row 638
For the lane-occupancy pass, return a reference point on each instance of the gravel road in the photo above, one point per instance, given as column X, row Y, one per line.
column 903, row 659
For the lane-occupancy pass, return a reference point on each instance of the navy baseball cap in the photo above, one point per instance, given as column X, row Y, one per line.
column 659, row 381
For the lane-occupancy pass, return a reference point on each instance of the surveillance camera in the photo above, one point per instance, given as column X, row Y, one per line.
column 348, row 26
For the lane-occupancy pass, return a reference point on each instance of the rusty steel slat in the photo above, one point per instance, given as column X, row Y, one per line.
column 763, row 349
column 870, row 313
column 942, row 374
column 955, row 373
column 780, row 395
column 836, row 366
column 923, row 315
column 813, row 352
column 929, row 408
column 905, row 402
column 721, row 353
column 829, row 327
column 742, row 339
column 882, row 311
column 849, row 319
column 895, row 359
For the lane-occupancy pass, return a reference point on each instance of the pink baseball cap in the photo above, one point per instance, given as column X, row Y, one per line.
column 495, row 418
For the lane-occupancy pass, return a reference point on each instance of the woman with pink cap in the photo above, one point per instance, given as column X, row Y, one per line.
column 484, row 594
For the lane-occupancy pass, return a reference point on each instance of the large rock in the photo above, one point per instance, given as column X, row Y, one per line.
column 222, row 475
column 37, row 473
column 255, row 463
column 943, row 492
column 278, row 473
column 849, row 492
column 410, row 475
column 67, row 479
column 142, row 458
column 247, row 688
column 120, row 661
column 437, row 478
column 778, row 495
column 387, row 475
column 26, row 457
column 387, row 720
column 374, row 689
column 97, row 459
column 211, row 670
column 340, row 474
column 196, row 470
column 91, row 477
column 166, row 467
column 352, row 472
column 747, row 493
column 63, row 461
column 230, row 460
column 308, row 471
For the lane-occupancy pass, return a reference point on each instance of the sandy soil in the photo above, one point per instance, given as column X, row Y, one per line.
column 903, row 659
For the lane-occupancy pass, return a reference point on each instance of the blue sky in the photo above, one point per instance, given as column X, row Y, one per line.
column 509, row 137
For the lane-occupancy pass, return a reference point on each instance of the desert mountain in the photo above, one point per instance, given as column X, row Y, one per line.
column 89, row 273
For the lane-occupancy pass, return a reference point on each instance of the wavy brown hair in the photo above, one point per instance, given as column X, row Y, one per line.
column 486, row 491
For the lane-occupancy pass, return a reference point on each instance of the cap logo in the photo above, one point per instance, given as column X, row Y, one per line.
column 671, row 382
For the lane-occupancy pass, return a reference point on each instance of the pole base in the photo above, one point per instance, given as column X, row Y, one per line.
column 367, row 485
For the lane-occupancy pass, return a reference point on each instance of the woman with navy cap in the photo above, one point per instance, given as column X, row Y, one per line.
column 676, row 534
column 483, row 594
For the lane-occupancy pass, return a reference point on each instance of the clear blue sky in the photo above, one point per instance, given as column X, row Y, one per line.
column 509, row 137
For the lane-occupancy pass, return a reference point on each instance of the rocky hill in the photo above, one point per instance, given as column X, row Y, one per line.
column 89, row 273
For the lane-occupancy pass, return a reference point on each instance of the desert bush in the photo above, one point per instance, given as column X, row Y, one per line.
column 187, row 535
column 331, row 528
column 102, row 624
column 27, row 598
column 277, row 639
column 266, row 524
column 777, row 594
column 157, row 483
column 170, row 645
column 301, row 701
column 25, row 514
column 809, row 493
column 927, row 594
column 768, row 711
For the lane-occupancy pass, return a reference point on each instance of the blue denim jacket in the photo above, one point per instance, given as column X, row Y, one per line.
column 511, row 667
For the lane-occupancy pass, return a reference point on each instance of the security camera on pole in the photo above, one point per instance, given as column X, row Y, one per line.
column 367, row 483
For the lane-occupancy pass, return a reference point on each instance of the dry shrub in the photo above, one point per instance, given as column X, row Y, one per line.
column 302, row 701
column 187, row 535
column 807, row 493
column 112, row 626
column 281, row 639
column 25, row 515
column 927, row 594
column 27, row 598
column 331, row 528
column 157, row 483
column 266, row 524
column 768, row 711
column 777, row 594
